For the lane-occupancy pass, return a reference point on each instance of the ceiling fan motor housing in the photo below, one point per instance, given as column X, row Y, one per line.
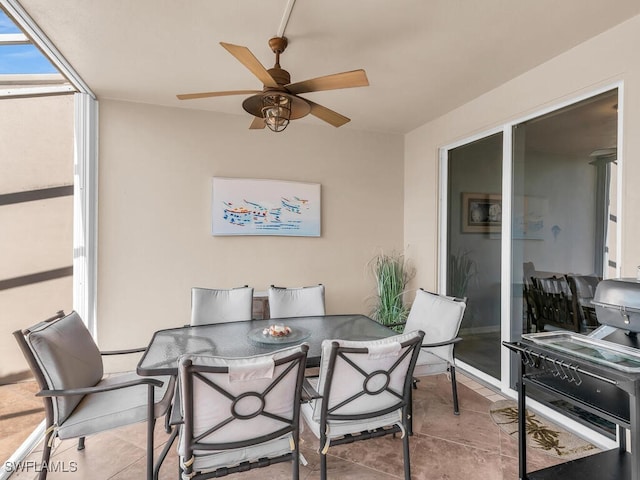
column 280, row 75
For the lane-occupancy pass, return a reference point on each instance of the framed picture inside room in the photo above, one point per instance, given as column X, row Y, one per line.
column 249, row 206
column 481, row 212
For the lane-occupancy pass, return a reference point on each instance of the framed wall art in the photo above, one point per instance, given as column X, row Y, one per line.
column 481, row 212
column 245, row 206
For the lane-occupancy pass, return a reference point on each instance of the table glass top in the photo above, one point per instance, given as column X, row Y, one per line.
column 234, row 339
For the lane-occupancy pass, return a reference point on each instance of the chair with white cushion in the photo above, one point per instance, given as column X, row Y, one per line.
column 439, row 316
column 296, row 302
column 78, row 400
column 239, row 413
column 220, row 305
column 365, row 392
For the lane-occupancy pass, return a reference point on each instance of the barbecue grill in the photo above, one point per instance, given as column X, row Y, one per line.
column 598, row 373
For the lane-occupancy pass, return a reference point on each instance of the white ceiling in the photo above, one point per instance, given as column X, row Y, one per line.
column 423, row 58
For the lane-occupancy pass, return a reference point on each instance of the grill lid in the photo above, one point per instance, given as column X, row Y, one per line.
column 617, row 303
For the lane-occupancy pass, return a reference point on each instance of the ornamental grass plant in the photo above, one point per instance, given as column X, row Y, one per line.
column 392, row 273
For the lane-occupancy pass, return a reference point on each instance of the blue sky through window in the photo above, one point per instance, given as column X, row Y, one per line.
column 20, row 59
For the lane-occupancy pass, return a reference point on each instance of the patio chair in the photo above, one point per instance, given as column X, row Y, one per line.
column 219, row 305
column 365, row 389
column 239, row 413
column 78, row 400
column 583, row 287
column 439, row 317
column 296, row 302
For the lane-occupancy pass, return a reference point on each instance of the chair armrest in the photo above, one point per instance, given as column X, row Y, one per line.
column 87, row 390
column 442, row 344
column 123, row 352
column 308, row 392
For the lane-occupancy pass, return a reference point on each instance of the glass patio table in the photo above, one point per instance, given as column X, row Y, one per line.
column 241, row 339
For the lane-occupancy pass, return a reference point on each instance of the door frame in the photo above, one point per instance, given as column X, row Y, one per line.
column 506, row 128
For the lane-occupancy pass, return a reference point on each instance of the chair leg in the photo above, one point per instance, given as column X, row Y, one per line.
column 81, row 443
column 151, row 423
column 296, row 463
column 163, row 454
column 407, row 462
column 167, row 420
column 323, row 457
column 46, row 455
column 454, row 390
column 323, row 466
column 409, row 414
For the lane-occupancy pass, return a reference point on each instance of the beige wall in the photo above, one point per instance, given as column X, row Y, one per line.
column 155, row 172
column 36, row 151
column 607, row 58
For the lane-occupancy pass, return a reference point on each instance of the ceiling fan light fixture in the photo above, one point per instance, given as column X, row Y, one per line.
column 276, row 111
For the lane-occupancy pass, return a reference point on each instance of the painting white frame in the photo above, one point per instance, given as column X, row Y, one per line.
column 250, row 206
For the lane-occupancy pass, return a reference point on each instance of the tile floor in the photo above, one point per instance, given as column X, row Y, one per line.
column 443, row 446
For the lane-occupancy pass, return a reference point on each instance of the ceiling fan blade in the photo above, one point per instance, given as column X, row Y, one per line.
column 355, row 78
column 191, row 96
column 326, row 114
column 245, row 57
column 257, row 124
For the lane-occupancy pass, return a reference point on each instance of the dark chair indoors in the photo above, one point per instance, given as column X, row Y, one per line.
column 365, row 390
column 553, row 304
column 583, row 288
column 79, row 400
column 239, row 413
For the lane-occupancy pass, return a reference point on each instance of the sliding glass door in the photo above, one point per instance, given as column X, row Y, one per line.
column 558, row 193
column 473, row 262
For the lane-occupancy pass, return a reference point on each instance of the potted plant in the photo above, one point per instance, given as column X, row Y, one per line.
column 462, row 270
column 392, row 273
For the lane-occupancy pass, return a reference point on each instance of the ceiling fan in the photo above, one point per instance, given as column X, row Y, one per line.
column 279, row 100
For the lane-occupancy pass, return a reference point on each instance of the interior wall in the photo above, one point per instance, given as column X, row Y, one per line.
column 567, row 243
column 155, row 171
column 605, row 59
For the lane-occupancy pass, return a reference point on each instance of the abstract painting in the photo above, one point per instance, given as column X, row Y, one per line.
column 246, row 206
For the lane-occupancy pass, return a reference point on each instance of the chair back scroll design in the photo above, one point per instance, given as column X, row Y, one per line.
column 365, row 390
column 240, row 414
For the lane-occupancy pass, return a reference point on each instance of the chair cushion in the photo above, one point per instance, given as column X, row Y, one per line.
column 341, row 428
column 206, row 461
column 347, row 381
column 439, row 317
column 218, row 306
column 296, row 302
column 102, row 411
column 429, row 364
column 280, row 399
column 68, row 358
